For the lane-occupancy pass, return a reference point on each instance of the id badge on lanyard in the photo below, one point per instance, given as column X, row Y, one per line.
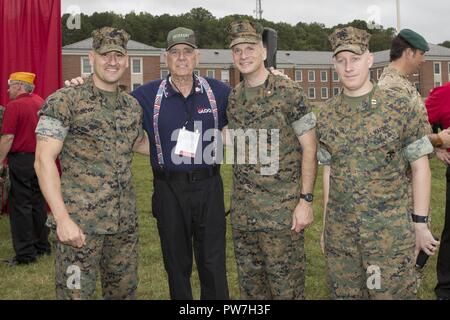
column 187, row 143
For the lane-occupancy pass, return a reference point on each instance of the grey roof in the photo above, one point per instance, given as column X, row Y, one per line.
column 304, row 57
column 294, row 58
column 439, row 51
column 86, row 44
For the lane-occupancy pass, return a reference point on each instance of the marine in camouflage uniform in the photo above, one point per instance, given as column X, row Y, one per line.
column 369, row 142
column 404, row 63
column 98, row 129
column 407, row 53
column 270, row 256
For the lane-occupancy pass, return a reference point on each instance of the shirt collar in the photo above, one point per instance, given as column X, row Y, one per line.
column 169, row 90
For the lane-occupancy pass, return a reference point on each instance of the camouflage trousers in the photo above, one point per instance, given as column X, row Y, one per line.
column 270, row 264
column 367, row 268
column 114, row 255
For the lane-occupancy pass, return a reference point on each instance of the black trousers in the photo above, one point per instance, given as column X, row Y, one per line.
column 191, row 217
column 443, row 262
column 27, row 208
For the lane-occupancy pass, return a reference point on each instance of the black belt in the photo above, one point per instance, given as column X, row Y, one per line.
column 190, row 176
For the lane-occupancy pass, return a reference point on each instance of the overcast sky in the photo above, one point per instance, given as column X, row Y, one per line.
column 428, row 17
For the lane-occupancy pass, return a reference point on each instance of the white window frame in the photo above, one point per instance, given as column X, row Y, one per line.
column 213, row 73
column 166, row 71
column 314, row 93
column 227, row 77
column 336, row 91
column 197, row 72
column 296, row 72
column 132, row 65
column 82, row 65
column 138, row 85
column 437, row 84
column 324, row 72
column 337, row 76
column 321, row 93
column 313, row 72
column 434, row 68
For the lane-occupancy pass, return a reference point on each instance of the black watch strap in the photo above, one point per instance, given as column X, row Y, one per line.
column 309, row 197
column 419, row 219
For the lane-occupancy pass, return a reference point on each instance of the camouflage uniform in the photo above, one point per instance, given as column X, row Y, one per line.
column 392, row 79
column 96, row 183
column 270, row 257
column 368, row 220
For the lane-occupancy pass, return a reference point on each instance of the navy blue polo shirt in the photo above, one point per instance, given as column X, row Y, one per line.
column 177, row 111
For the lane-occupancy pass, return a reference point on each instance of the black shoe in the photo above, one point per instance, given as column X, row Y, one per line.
column 14, row 262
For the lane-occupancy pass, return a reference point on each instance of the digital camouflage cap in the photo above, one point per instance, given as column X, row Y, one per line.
column 349, row 39
column 181, row 36
column 109, row 39
column 244, row 31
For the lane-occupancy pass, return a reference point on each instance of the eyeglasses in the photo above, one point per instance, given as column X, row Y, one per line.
column 187, row 52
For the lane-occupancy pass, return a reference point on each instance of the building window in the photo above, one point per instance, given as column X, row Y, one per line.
column 311, row 93
column 136, row 85
column 311, row 76
column 437, row 68
column 211, row 73
column 85, row 66
column 225, row 76
column 323, row 76
column 336, row 91
column 164, row 73
column 298, row 75
column 335, row 76
column 136, row 65
column 417, row 85
column 378, row 74
column 324, row 93
column 437, row 84
column 197, row 72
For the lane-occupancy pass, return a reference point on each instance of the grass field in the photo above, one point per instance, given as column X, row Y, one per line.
column 37, row 281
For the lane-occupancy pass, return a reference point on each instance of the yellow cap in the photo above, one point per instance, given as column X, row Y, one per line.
column 27, row 77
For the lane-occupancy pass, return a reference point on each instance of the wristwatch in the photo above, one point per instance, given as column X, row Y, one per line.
column 419, row 219
column 309, row 197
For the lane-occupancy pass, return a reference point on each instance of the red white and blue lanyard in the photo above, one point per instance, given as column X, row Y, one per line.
column 157, row 109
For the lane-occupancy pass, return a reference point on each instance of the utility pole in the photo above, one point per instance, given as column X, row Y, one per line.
column 398, row 16
column 258, row 10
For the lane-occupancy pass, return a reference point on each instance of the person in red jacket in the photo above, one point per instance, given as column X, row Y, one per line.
column 438, row 107
column 18, row 142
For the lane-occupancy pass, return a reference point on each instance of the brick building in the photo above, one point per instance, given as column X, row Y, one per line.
column 312, row 69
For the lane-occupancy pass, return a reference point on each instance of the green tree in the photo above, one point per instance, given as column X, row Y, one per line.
column 445, row 44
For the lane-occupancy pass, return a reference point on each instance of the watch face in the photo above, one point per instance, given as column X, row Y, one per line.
column 308, row 197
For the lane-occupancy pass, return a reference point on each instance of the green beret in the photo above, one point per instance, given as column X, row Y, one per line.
column 414, row 39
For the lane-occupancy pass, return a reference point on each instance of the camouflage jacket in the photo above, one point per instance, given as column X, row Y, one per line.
column 266, row 202
column 392, row 79
column 96, row 155
column 369, row 149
